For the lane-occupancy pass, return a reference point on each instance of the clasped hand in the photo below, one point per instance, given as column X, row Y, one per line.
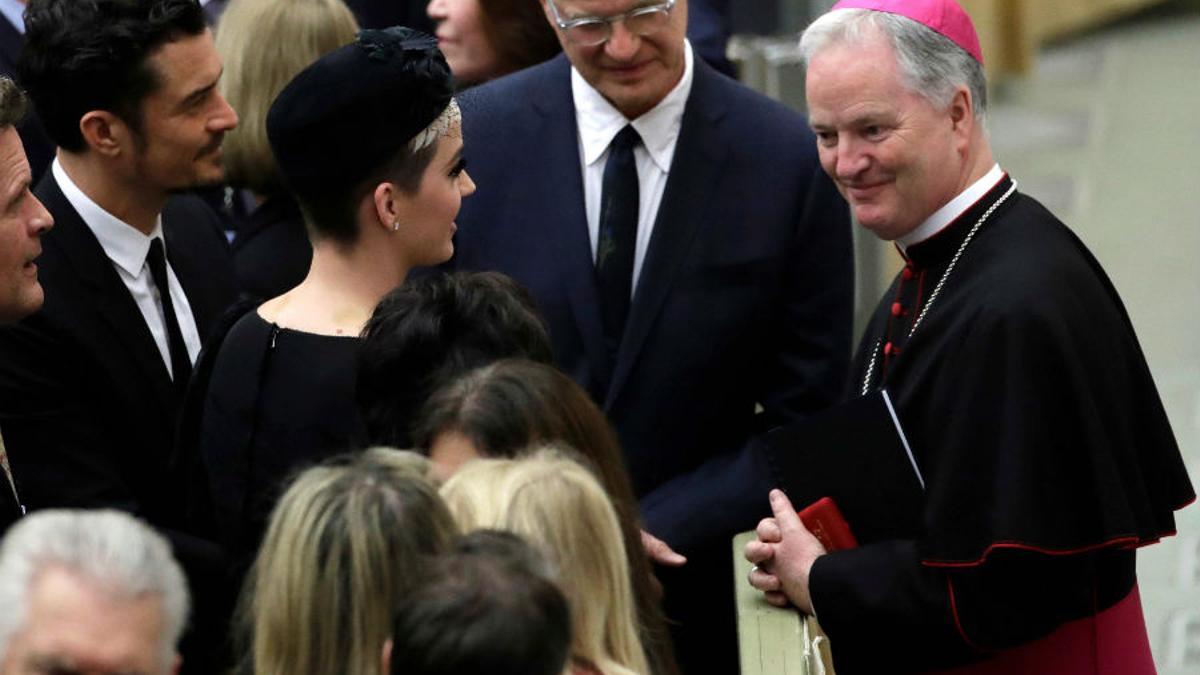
column 783, row 556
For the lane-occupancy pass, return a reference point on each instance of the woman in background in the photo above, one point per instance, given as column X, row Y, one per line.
column 264, row 44
column 484, row 39
column 556, row 504
column 347, row 541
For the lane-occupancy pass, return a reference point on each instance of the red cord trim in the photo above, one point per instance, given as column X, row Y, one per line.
column 1125, row 541
column 958, row 621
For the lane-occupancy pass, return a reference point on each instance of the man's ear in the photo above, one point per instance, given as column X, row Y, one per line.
column 105, row 133
column 962, row 115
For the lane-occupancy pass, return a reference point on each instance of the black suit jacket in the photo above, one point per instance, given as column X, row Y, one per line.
column 38, row 146
column 87, row 406
column 744, row 298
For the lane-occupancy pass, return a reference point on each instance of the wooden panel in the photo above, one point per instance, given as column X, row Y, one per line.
column 1011, row 31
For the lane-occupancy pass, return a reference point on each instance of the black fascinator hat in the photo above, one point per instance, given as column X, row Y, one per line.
column 353, row 109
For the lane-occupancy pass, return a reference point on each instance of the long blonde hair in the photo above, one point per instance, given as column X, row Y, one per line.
column 264, row 44
column 345, row 542
column 559, row 506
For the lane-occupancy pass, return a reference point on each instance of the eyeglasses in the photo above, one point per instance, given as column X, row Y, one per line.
column 589, row 31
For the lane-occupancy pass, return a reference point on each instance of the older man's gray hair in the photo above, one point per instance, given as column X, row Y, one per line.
column 931, row 64
column 111, row 550
column 13, row 103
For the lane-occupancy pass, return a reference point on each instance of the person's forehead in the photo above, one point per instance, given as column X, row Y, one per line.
column 70, row 620
column 12, row 155
column 186, row 63
column 574, row 8
column 847, row 68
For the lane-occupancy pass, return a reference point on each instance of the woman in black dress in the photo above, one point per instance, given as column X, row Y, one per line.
column 368, row 139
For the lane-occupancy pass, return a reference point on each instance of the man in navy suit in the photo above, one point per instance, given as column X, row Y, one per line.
column 692, row 261
column 134, row 274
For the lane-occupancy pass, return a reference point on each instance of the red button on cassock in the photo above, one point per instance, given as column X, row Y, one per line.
column 889, row 349
column 907, row 273
column 897, row 309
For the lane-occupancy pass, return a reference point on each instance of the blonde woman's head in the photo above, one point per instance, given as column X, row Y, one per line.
column 559, row 506
column 264, row 44
column 345, row 542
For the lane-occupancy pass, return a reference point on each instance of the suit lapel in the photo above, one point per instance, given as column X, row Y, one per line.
column 569, row 231
column 112, row 302
column 698, row 163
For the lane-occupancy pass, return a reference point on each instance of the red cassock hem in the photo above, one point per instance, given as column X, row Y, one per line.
column 1111, row 642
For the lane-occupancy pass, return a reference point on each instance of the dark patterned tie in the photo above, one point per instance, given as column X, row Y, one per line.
column 181, row 363
column 618, row 236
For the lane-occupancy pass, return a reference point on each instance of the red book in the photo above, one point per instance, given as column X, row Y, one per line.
column 825, row 520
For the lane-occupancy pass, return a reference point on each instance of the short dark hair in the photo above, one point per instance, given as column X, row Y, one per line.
column 13, row 103
column 89, row 55
column 485, row 608
column 390, row 86
column 434, row 328
column 332, row 212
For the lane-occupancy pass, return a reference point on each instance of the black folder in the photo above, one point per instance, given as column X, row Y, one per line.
column 858, row 454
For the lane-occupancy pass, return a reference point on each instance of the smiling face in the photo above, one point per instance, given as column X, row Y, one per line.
column 426, row 216
column 23, row 219
column 185, row 119
column 894, row 156
column 461, row 37
column 633, row 72
column 72, row 627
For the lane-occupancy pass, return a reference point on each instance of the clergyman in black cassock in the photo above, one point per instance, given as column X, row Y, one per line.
column 1015, row 379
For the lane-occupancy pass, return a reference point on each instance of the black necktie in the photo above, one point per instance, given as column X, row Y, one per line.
column 618, row 236
column 181, row 363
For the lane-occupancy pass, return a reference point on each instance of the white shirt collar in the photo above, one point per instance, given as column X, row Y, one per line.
column 599, row 122
column 953, row 209
column 123, row 243
column 15, row 13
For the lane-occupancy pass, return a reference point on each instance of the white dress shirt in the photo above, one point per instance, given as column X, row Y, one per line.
column 599, row 122
column 127, row 248
column 953, row 209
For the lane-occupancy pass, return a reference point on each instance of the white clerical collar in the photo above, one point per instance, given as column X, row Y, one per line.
column 14, row 11
column 599, row 122
column 953, row 209
column 123, row 243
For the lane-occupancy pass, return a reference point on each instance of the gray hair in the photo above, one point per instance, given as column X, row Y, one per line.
column 932, row 65
column 13, row 103
column 115, row 551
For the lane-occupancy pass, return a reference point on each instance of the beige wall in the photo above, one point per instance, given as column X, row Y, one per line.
column 1010, row 31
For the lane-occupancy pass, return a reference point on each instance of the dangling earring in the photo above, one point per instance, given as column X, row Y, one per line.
column 396, row 226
